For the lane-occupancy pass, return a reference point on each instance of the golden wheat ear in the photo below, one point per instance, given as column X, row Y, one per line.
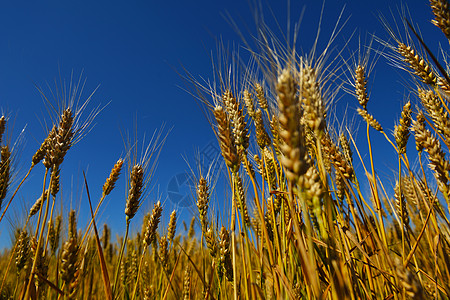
column 293, row 148
column 113, row 177
column 445, row 81
column 203, row 202
column 441, row 13
column 171, row 228
column 401, row 131
column 420, row 67
column 152, row 225
column 135, row 191
column 361, row 86
column 226, row 140
column 70, row 256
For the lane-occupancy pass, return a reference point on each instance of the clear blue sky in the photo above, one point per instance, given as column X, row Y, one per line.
column 134, row 50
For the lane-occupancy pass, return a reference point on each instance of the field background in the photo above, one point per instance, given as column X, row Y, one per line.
column 141, row 67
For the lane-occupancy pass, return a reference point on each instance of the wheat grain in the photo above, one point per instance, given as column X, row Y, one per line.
column 238, row 123
column 435, row 110
column 361, row 86
column 293, row 149
column 202, row 202
column 336, row 157
column 187, row 283
column 61, row 141
column 370, row 119
column 37, row 205
column 241, row 199
column 400, row 205
column 135, row 191
column 275, row 129
column 211, row 242
column 23, row 250
column 42, row 151
column 163, row 252
column 262, row 138
column 110, row 182
column 262, row 100
column 425, row 140
column 249, row 103
column 419, row 66
column 225, row 253
column 69, row 260
column 54, row 187
column 41, row 263
column 172, row 226
column 133, row 267
column 441, row 13
column 226, row 139
column 401, row 131
column 346, row 149
column 311, row 97
column 152, row 225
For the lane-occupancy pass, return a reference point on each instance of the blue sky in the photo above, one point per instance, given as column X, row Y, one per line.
column 134, row 51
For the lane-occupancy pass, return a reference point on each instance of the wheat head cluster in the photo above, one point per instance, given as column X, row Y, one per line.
column 299, row 225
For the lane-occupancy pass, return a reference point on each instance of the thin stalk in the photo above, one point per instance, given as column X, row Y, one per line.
column 95, row 214
column 261, row 216
column 411, row 253
column 139, row 273
column 33, row 268
column 244, row 266
column 434, row 221
column 16, row 286
column 280, row 260
column 9, row 265
column 51, row 220
column 375, row 186
column 122, row 248
column 401, row 205
column 307, row 255
column 233, row 237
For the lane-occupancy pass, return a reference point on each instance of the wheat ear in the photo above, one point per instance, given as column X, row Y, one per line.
column 293, row 147
column 441, row 13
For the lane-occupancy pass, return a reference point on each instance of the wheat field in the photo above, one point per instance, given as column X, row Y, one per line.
column 299, row 225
